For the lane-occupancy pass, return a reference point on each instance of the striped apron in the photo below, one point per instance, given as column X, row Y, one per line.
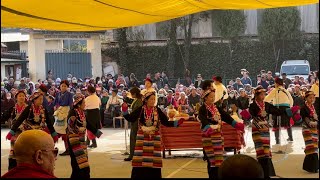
column 213, row 147
column 261, row 137
column 147, row 152
column 79, row 148
column 310, row 136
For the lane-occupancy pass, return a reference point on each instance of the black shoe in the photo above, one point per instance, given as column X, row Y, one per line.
column 127, row 159
column 277, row 142
column 290, row 140
column 66, row 153
column 92, row 146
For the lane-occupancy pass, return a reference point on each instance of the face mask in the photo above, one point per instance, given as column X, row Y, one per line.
column 69, row 79
column 231, row 95
column 74, row 81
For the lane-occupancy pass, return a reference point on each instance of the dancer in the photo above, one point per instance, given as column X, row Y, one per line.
column 16, row 111
column 259, row 110
column 147, row 160
column 310, row 133
column 62, row 103
column 33, row 116
column 93, row 103
column 281, row 98
column 135, row 93
column 76, row 133
column 211, row 118
column 148, row 88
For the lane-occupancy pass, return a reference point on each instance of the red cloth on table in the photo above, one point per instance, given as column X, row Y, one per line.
column 25, row 170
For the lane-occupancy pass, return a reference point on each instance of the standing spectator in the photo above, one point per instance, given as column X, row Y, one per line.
column 286, row 81
column 23, row 85
column 199, row 82
column 264, row 82
column 7, row 103
column 158, row 80
column 221, row 94
column 104, row 100
column 50, row 74
column 232, row 99
column 165, row 78
column 243, row 104
column 258, row 79
column 188, row 77
column 246, row 79
column 133, row 81
column 35, row 154
column 298, row 99
column 270, row 79
column 238, row 84
column 31, row 88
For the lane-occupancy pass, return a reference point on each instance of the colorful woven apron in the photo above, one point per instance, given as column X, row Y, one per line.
column 213, row 146
column 147, row 152
column 261, row 138
column 310, row 136
column 79, row 148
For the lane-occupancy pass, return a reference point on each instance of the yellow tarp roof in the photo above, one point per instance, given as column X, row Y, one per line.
column 96, row 15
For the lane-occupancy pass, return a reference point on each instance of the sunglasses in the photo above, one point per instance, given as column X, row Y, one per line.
column 55, row 151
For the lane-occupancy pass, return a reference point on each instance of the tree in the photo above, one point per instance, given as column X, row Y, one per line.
column 230, row 24
column 172, row 47
column 121, row 36
column 278, row 26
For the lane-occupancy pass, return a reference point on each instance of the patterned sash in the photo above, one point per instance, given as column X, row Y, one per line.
column 213, row 146
column 261, row 139
column 147, row 152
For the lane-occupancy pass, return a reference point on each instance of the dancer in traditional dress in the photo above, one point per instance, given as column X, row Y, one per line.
column 16, row 111
column 211, row 118
column 76, row 133
column 147, row 160
column 148, row 88
column 310, row 133
column 62, row 103
column 135, row 93
column 281, row 98
column 259, row 110
column 92, row 107
column 33, row 116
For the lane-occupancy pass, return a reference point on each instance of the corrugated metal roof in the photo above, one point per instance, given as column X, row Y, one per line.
column 14, row 37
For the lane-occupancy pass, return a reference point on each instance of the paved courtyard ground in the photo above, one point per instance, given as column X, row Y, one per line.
column 107, row 159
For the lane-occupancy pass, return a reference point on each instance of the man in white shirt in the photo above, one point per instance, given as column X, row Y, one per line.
column 221, row 92
column 92, row 108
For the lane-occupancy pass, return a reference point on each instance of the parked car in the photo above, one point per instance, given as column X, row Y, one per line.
column 295, row 68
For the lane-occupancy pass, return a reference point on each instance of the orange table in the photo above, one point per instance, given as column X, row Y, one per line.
column 188, row 136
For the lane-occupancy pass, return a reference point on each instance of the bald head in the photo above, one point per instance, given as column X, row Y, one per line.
column 35, row 147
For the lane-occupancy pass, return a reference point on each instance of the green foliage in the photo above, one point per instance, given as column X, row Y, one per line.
column 280, row 24
column 208, row 58
column 230, row 23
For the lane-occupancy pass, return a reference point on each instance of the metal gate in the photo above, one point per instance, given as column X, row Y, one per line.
column 63, row 63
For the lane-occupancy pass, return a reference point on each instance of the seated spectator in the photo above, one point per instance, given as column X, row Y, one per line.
column 35, row 154
column 114, row 104
column 238, row 84
column 240, row 166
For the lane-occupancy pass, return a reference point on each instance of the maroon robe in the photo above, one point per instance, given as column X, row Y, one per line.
column 26, row 170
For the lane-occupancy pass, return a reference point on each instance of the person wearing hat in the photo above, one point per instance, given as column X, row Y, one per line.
column 21, row 104
column 259, row 111
column 281, row 98
column 286, row 81
column 148, row 88
column 62, row 105
column 149, row 118
column 33, row 116
column 76, row 133
column 211, row 117
column 310, row 133
column 221, row 92
column 92, row 108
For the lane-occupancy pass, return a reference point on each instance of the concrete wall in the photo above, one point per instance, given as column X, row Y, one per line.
column 56, row 45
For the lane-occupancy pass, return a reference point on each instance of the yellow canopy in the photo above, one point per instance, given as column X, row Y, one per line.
column 96, row 15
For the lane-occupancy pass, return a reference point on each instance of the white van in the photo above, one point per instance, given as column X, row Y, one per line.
column 295, row 68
